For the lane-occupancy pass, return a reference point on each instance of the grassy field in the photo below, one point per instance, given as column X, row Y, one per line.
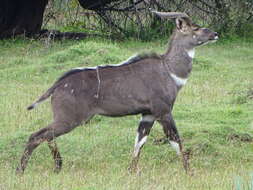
column 214, row 115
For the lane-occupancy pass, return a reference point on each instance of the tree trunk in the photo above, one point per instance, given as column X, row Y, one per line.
column 95, row 5
column 21, row 17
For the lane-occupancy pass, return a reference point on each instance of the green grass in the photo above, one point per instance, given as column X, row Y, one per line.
column 214, row 114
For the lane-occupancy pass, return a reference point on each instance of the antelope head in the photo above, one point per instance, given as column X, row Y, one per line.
column 188, row 33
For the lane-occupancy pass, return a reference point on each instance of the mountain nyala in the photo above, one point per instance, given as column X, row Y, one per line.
column 144, row 84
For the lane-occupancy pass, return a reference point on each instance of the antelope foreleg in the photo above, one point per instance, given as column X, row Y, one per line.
column 170, row 130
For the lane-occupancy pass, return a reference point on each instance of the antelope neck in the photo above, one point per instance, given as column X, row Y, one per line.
column 178, row 61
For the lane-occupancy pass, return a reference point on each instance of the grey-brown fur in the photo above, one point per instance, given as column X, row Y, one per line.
column 142, row 85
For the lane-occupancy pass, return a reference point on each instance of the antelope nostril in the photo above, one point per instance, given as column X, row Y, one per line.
column 215, row 36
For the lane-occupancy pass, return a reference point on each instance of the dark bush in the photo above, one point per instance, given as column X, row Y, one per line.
column 132, row 18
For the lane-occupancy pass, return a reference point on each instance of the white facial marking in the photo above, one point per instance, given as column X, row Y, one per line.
column 179, row 81
column 175, row 146
column 194, row 36
column 66, row 85
column 139, row 145
column 216, row 37
column 72, row 91
column 148, row 118
column 191, row 53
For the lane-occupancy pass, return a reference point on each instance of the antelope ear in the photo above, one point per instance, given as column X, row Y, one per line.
column 183, row 24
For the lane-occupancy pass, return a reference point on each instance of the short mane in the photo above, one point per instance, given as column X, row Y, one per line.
column 140, row 57
column 131, row 60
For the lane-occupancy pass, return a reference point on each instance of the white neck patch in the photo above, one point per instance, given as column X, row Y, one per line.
column 179, row 81
column 191, row 53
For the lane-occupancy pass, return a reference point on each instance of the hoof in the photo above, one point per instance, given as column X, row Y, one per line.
column 134, row 170
column 57, row 170
column 19, row 171
column 186, row 160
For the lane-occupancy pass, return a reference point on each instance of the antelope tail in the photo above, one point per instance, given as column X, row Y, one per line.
column 50, row 91
column 43, row 97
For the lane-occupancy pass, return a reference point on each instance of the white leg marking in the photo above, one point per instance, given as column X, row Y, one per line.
column 148, row 118
column 144, row 131
column 66, row 85
column 175, row 145
column 139, row 144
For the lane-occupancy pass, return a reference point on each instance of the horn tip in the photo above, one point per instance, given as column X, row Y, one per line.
column 151, row 10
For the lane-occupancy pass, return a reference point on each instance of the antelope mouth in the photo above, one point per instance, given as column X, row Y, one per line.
column 214, row 39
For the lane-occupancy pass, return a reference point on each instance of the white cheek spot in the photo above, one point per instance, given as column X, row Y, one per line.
column 66, row 85
column 148, row 118
column 194, row 36
column 178, row 80
column 72, row 91
column 175, row 146
column 191, row 53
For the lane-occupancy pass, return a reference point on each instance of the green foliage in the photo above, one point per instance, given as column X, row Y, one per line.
column 213, row 125
column 245, row 30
